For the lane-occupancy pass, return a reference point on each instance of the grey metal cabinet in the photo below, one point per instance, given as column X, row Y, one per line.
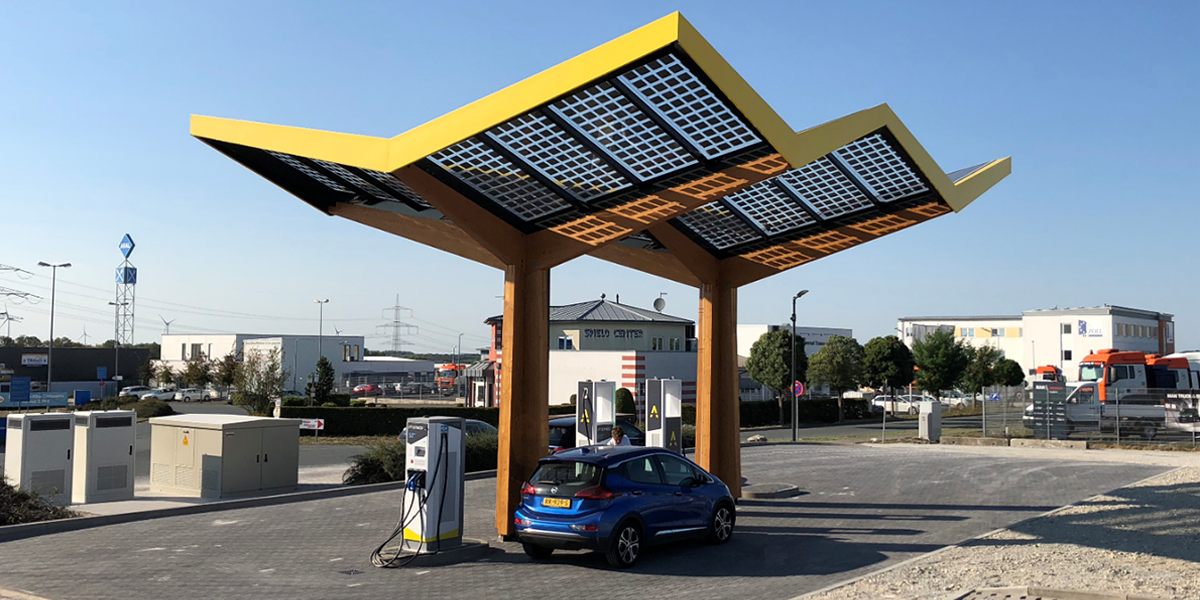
column 223, row 455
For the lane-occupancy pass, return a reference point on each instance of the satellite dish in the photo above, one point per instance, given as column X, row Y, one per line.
column 659, row 304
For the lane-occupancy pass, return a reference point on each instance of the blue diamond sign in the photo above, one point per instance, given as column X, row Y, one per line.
column 126, row 245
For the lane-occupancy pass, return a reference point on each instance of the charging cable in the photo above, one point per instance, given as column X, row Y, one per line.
column 393, row 561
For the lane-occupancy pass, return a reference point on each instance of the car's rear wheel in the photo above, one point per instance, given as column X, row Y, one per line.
column 720, row 528
column 536, row 551
column 626, row 546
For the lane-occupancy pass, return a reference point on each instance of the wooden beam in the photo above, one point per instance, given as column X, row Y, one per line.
column 659, row 264
column 524, row 393
column 696, row 259
column 499, row 238
column 718, row 441
column 442, row 235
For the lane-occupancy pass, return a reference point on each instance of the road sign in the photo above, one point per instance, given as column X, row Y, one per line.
column 19, row 390
column 101, row 383
column 101, row 373
column 318, row 424
column 117, row 378
column 126, row 245
column 799, row 387
column 995, row 396
column 82, row 397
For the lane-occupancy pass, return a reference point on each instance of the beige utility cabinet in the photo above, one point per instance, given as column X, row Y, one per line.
column 104, row 456
column 219, row 456
column 39, row 454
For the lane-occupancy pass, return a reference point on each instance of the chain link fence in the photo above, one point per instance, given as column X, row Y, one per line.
column 1114, row 416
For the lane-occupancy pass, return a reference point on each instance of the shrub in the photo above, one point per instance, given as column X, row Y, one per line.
column 150, row 408
column 764, row 414
column 560, row 409
column 482, row 452
column 355, row 403
column 339, row 399
column 329, row 405
column 624, row 401
column 382, row 461
column 688, row 433
column 20, row 506
column 295, row 401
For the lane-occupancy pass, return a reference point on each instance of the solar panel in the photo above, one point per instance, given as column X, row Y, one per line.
column 681, row 97
column 299, row 165
column 397, row 186
column 547, row 147
column 719, row 227
column 767, row 206
column 825, row 188
column 497, row 178
column 355, row 180
column 881, row 168
column 612, row 120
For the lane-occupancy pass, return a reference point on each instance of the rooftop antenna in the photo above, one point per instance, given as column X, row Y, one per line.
column 659, row 303
column 167, row 324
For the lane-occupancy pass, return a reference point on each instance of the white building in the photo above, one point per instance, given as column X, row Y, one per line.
column 298, row 353
column 1057, row 337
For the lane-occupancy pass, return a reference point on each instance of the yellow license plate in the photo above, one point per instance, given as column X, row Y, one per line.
column 557, row 502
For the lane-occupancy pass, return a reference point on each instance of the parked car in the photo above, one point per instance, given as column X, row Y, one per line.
column 473, row 427
column 190, row 395
column 896, row 405
column 562, row 433
column 617, row 500
column 158, row 394
column 367, row 389
column 133, row 391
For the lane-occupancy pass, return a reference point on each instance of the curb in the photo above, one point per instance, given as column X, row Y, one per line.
column 10, row 533
column 919, row 557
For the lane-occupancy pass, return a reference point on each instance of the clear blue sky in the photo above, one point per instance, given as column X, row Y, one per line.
column 1095, row 101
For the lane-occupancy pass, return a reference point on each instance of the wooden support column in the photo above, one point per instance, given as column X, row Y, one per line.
column 718, row 418
column 524, row 392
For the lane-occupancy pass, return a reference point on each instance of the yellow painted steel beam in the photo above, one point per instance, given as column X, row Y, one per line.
column 348, row 149
column 975, row 184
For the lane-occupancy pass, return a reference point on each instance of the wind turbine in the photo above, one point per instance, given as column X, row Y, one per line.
column 336, row 331
column 8, row 319
column 167, row 325
column 85, row 336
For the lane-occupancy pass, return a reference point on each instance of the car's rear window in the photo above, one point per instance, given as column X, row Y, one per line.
column 559, row 436
column 565, row 478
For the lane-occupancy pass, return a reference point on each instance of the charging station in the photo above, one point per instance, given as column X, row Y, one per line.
column 595, row 412
column 104, row 458
column 664, row 414
column 433, row 498
column 39, row 454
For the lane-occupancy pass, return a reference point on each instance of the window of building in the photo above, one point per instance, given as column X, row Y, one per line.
column 1154, row 332
column 183, row 352
column 197, row 350
column 968, row 332
column 675, row 345
column 345, row 353
column 1066, row 328
column 996, row 332
column 566, row 342
column 1020, row 332
column 1066, row 355
column 656, row 343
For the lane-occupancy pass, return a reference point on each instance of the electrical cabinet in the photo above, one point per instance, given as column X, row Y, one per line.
column 39, row 452
column 104, row 456
column 219, row 456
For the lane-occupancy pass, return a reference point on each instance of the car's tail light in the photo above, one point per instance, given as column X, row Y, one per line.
column 596, row 493
column 528, row 489
column 584, row 527
column 522, row 522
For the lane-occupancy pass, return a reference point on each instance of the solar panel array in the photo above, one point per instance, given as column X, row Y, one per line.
column 620, row 141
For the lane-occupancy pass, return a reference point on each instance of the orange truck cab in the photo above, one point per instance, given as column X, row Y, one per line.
column 1132, row 372
column 1048, row 373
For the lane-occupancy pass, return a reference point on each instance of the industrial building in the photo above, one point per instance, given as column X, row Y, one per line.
column 88, row 369
column 1059, row 337
column 298, row 353
column 600, row 340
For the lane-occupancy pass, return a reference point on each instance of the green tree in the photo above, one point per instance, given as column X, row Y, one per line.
column 941, row 361
column 322, row 385
column 165, row 375
column 980, row 371
column 839, row 365
column 887, row 362
column 225, row 372
column 197, row 372
column 29, row 341
column 770, row 363
column 145, row 373
column 259, row 379
column 625, row 404
column 66, row 342
column 1009, row 373
column 7, row 342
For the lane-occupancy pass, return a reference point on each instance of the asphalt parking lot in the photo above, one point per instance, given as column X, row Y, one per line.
column 863, row 508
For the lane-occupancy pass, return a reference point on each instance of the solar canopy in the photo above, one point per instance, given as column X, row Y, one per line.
column 639, row 152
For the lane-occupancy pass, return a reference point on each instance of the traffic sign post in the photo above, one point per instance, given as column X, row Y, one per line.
column 314, row 424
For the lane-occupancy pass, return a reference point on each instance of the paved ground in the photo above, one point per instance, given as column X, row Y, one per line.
column 873, row 429
column 864, row 508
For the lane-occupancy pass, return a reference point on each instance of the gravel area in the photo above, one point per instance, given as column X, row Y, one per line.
column 1141, row 539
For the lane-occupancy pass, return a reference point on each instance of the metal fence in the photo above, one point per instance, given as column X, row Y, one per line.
column 1124, row 416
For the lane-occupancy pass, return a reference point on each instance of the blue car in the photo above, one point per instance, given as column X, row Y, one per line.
column 619, row 499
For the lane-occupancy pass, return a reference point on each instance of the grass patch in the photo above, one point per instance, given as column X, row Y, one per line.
column 308, row 439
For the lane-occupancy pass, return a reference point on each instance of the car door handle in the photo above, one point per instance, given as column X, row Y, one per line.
column 636, row 492
column 678, row 493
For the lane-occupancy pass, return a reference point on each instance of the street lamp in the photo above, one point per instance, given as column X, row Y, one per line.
column 795, row 405
column 50, row 353
column 117, row 341
column 321, row 329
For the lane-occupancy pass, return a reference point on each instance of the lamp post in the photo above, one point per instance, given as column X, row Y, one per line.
column 117, row 340
column 321, row 328
column 795, row 405
column 50, row 352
